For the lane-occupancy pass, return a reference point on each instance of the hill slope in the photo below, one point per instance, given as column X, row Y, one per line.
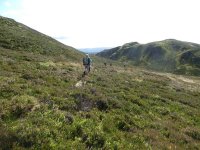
column 168, row 55
column 16, row 36
column 46, row 104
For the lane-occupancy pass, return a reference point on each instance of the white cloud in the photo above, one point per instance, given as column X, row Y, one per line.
column 95, row 23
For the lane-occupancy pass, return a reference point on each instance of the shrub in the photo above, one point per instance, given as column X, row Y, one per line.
column 102, row 105
column 95, row 141
column 21, row 105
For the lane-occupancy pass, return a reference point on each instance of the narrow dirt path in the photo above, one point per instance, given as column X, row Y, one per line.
column 180, row 81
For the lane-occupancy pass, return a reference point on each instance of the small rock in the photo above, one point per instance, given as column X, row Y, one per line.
column 80, row 84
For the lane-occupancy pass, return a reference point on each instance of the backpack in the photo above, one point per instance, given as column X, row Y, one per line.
column 86, row 61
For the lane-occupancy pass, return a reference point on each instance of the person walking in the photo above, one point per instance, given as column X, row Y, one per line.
column 87, row 64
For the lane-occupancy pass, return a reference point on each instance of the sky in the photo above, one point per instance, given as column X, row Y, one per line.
column 108, row 23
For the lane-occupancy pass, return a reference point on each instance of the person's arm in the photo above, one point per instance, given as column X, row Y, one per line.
column 89, row 61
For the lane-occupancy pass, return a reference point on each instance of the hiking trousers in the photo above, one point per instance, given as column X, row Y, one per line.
column 87, row 68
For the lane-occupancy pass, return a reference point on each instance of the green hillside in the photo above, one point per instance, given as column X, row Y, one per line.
column 168, row 55
column 16, row 36
column 45, row 103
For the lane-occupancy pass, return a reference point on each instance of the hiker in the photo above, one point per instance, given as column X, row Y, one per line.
column 86, row 62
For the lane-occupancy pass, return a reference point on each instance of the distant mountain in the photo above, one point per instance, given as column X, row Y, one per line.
column 93, row 50
column 169, row 55
column 16, row 36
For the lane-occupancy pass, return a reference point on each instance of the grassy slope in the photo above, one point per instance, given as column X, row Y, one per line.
column 16, row 36
column 115, row 108
column 168, row 55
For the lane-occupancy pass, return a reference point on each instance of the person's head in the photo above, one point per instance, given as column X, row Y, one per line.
column 87, row 55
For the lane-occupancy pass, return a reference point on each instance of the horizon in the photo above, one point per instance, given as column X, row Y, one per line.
column 100, row 23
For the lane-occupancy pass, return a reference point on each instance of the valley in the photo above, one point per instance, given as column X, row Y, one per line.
column 45, row 103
